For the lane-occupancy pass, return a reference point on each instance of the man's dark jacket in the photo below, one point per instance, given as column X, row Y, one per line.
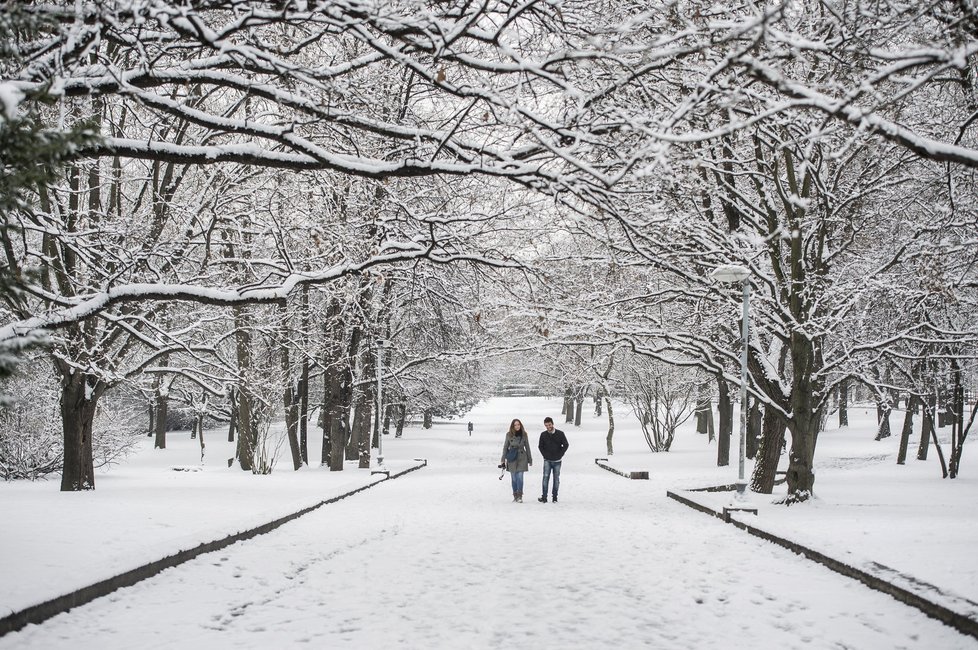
column 553, row 445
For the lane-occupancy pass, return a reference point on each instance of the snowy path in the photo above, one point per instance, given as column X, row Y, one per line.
column 443, row 559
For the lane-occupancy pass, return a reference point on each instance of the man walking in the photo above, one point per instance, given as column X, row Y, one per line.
column 553, row 444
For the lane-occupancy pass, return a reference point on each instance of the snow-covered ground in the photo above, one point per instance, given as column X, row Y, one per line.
column 442, row 558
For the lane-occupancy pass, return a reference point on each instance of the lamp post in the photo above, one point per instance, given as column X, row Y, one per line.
column 733, row 273
column 381, row 344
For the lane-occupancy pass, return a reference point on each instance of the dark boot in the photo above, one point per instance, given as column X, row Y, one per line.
column 519, row 497
column 554, row 499
column 543, row 499
column 515, row 495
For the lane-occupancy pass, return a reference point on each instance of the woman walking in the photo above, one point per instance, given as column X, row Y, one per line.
column 516, row 455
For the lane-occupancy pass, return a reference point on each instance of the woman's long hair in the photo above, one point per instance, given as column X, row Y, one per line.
column 512, row 429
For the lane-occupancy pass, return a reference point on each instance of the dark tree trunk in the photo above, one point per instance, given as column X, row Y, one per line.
column 427, row 420
column 199, row 424
column 959, row 432
column 162, row 406
column 402, row 416
column 290, row 400
column 725, row 406
column 360, row 431
column 805, row 417
column 883, row 409
column 304, row 414
column 290, row 395
column 926, row 427
column 578, row 410
column 152, row 419
column 907, row 430
column 161, row 402
column 704, row 408
column 80, row 393
column 844, row 403
column 611, row 425
column 233, row 405
column 754, row 423
column 568, row 405
column 247, row 436
column 768, row 452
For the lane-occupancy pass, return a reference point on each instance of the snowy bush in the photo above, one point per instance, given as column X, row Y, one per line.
column 31, row 442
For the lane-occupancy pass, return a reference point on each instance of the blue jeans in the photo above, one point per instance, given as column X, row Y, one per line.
column 517, row 479
column 551, row 466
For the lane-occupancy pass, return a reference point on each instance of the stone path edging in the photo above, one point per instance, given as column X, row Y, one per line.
column 603, row 464
column 967, row 625
column 43, row 611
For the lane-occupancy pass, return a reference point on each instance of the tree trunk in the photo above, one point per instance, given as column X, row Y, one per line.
column 402, row 416
column 79, row 397
column 725, row 406
column 427, row 420
column 907, row 430
column 754, row 423
column 304, row 413
column 290, row 400
column 233, row 407
column 883, row 409
column 199, row 423
column 360, row 431
column 162, row 406
column 578, row 410
column 247, row 437
column 926, row 427
column 611, row 425
column 768, row 452
column 704, row 408
column 844, row 403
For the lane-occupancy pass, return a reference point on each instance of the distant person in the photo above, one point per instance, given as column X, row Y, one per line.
column 470, row 428
column 553, row 444
column 516, row 455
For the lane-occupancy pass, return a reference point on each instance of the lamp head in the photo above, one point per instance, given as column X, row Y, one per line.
column 730, row 273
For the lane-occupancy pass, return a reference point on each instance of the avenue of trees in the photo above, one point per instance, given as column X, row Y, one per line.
column 225, row 206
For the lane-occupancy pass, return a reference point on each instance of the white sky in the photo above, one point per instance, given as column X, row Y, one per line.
column 442, row 558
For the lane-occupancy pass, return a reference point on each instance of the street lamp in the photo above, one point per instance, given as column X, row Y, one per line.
column 381, row 344
column 733, row 273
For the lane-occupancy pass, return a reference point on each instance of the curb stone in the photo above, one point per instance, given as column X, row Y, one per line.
column 41, row 612
column 878, row 577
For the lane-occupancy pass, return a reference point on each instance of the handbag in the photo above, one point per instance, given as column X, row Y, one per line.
column 512, row 454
